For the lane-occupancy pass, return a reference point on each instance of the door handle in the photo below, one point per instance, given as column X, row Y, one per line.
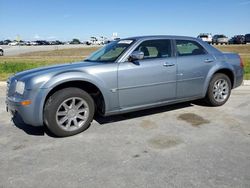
column 168, row 64
column 209, row 61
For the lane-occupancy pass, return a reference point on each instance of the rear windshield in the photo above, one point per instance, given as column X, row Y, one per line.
column 221, row 36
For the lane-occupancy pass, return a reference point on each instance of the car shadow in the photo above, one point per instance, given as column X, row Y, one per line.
column 43, row 130
column 131, row 115
column 30, row 130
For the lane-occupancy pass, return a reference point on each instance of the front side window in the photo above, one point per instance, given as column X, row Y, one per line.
column 110, row 52
column 155, row 48
column 187, row 48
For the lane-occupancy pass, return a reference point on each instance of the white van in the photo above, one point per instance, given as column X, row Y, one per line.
column 207, row 37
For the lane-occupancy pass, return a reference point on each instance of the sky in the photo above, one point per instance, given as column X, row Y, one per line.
column 67, row 19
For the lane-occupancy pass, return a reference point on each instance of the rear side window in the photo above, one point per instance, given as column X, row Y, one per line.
column 155, row 48
column 187, row 48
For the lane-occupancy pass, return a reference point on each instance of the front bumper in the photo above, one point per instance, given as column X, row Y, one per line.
column 27, row 113
column 31, row 114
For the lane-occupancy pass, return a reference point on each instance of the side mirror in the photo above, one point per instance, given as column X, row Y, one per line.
column 136, row 55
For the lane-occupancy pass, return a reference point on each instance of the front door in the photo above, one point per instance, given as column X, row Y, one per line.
column 150, row 80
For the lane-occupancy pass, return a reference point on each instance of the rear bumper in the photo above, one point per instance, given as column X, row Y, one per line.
column 220, row 41
column 239, row 78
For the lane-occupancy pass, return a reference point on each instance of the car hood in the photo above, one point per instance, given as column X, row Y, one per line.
column 53, row 69
column 35, row 78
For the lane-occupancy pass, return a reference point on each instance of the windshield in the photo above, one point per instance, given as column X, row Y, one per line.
column 110, row 52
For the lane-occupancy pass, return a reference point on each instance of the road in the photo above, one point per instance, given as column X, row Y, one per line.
column 184, row 145
column 17, row 50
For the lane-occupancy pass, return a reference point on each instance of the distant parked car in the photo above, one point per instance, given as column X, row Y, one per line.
column 6, row 42
column 27, row 43
column 21, row 43
column 231, row 41
column 14, row 43
column 238, row 39
column 207, row 37
column 56, row 42
column 75, row 41
column 220, row 39
column 96, row 41
column 33, row 43
column 1, row 51
column 92, row 41
column 247, row 38
column 42, row 42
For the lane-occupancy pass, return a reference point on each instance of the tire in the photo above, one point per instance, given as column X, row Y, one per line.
column 219, row 90
column 68, row 112
column 1, row 52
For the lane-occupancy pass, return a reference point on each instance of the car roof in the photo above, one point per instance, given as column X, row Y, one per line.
column 159, row 37
column 204, row 44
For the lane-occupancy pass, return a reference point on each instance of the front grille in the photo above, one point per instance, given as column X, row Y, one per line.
column 10, row 89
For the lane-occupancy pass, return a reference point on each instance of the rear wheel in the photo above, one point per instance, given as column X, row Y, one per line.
column 219, row 90
column 1, row 52
column 69, row 111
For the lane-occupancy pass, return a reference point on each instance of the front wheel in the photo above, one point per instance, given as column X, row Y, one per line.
column 69, row 111
column 219, row 90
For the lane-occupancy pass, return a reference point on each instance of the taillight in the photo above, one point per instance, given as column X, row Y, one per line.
column 241, row 63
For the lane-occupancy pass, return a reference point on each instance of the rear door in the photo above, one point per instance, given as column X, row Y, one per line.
column 150, row 80
column 193, row 63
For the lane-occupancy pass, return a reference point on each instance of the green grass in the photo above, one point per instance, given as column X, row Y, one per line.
column 11, row 65
column 243, row 51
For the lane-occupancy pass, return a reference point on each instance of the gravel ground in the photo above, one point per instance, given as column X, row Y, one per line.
column 184, row 145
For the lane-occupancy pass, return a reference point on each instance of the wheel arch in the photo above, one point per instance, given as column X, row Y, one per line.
column 94, row 91
column 227, row 71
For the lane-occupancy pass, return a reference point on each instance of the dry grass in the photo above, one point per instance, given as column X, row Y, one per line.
column 12, row 64
column 240, row 49
column 72, row 52
column 243, row 51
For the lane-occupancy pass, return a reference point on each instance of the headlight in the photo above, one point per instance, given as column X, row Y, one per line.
column 20, row 87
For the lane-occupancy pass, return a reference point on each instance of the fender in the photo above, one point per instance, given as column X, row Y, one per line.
column 64, row 77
